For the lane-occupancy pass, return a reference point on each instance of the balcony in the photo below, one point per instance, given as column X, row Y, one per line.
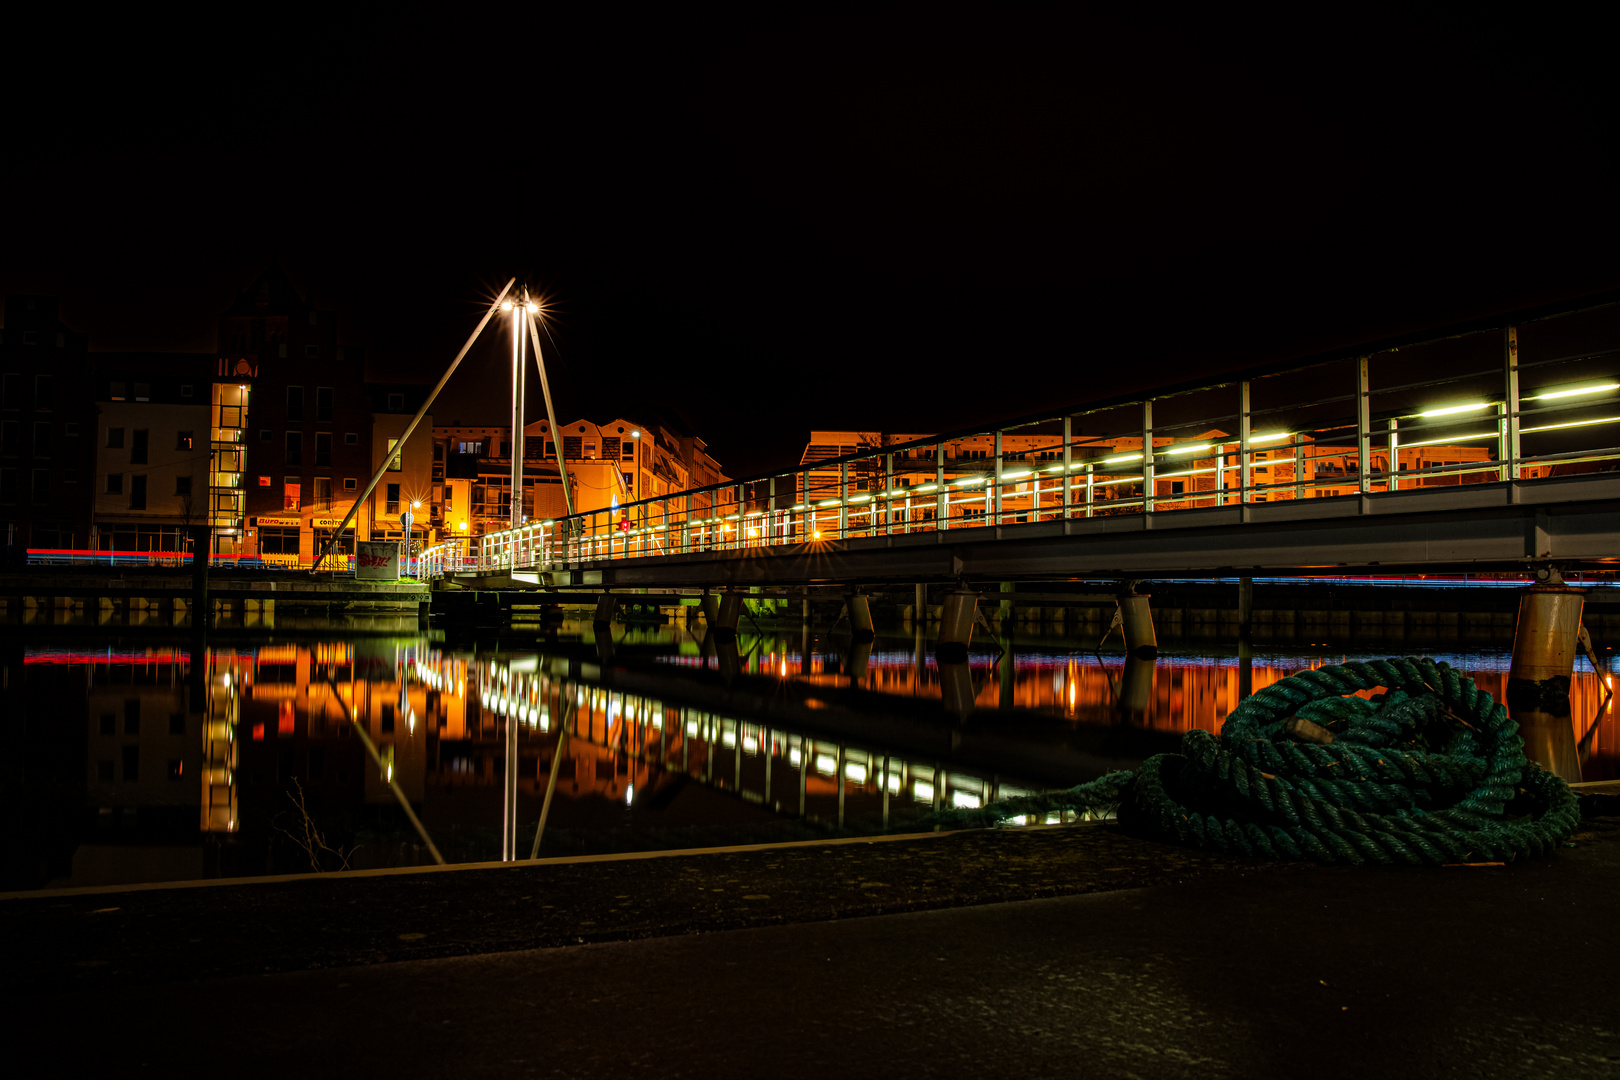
column 290, row 502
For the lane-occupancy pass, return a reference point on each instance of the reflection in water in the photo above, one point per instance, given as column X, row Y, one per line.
column 411, row 752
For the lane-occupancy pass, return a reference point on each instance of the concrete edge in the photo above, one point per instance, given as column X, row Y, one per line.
column 397, row 871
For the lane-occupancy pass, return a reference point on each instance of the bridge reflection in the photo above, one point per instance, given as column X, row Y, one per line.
column 186, row 770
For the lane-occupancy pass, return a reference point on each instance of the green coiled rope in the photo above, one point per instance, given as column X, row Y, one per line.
column 1430, row 771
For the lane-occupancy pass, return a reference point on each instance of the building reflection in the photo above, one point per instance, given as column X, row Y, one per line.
column 174, row 783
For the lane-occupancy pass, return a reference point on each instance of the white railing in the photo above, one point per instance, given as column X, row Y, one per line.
column 1456, row 409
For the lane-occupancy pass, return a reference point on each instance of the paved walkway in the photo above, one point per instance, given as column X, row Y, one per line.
column 1466, row 972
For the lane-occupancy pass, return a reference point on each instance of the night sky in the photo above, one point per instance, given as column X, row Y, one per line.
column 897, row 217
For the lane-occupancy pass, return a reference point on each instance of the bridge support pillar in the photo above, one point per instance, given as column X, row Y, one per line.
column 956, row 626
column 606, row 605
column 919, row 605
column 860, row 616
column 1136, row 687
column 1544, row 644
column 727, row 615
column 1136, row 621
column 1245, row 636
column 956, row 687
column 710, row 605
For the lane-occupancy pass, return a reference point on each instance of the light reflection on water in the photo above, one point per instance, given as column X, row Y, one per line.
column 132, row 771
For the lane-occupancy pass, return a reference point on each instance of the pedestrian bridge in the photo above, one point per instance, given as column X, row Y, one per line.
column 1485, row 447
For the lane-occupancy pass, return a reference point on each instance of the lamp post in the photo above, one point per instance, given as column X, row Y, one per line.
column 408, row 519
column 520, row 311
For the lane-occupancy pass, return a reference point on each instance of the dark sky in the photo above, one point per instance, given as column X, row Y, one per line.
column 896, row 217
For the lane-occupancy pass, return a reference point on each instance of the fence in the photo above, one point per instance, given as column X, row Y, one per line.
column 1503, row 404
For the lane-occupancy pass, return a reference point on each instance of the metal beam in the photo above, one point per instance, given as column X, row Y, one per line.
column 399, row 447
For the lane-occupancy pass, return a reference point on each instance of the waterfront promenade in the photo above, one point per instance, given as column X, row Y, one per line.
column 1114, row 957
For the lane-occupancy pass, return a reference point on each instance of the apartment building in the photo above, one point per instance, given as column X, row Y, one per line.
column 47, row 428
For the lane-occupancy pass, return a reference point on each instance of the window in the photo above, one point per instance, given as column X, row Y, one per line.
column 323, row 403
column 295, row 404
column 185, row 389
column 115, row 390
column 349, row 483
column 132, row 763
column 176, row 767
column 42, row 487
column 42, row 440
column 44, row 392
column 264, row 481
column 137, row 447
column 70, row 430
column 137, row 492
column 292, row 492
column 312, row 351
column 278, row 541
column 323, row 449
column 447, row 493
column 115, row 483
column 11, row 390
column 30, row 338
column 396, row 462
column 132, row 716
column 396, row 402
column 1178, row 487
column 295, row 448
column 323, row 493
column 629, row 449
column 506, row 448
column 109, row 723
column 393, row 500
column 115, row 438
column 70, row 476
column 351, row 438
column 182, row 485
column 143, row 391
column 10, row 438
column 8, row 486
column 265, row 435
column 182, row 440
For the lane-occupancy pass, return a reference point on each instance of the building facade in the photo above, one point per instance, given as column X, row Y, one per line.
column 152, row 452
column 47, row 429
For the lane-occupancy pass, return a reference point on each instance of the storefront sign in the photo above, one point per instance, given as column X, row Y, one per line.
column 376, row 562
column 325, row 523
column 273, row 522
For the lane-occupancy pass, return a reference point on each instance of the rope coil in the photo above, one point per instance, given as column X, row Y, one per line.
column 1430, row 771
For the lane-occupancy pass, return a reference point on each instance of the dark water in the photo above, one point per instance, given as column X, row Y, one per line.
column 132, row 760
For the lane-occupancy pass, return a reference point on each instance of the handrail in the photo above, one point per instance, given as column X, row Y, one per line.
column 1398, row 436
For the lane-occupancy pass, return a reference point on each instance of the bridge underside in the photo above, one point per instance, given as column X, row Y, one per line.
column 1571, row 521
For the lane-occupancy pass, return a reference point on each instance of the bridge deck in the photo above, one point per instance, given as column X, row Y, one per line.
column 1574, row 521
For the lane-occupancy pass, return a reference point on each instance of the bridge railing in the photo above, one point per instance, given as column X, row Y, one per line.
column 1495, row 404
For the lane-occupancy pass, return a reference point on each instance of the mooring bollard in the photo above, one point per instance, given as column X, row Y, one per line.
column 956, row 625
column 1136, row 622
column 1545, row 641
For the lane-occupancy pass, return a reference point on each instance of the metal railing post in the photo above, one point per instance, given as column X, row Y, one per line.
column 1091, row 488
column 941, row 504
column 888, row 491
column 1245, row 476
column 843, row 501
column 1508, row 441
column 770, row 510
column 686, row 528
column 1068, row 463
column 1363, row 429
column 1299, row 465
column 1394, row 483
column 994, row 509
column 1147, row 457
